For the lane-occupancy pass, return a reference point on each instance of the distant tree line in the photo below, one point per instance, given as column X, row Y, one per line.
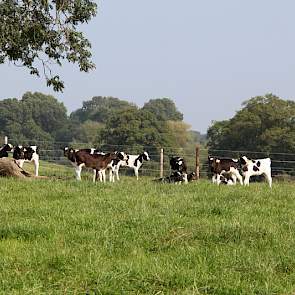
column 264, row 127
column 101, row 121
column 265, row 123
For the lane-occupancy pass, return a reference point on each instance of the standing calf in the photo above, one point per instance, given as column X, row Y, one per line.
column 256, row 167
column 134, row 161
column 220, row 166
column 97, row 162
column 27, row 154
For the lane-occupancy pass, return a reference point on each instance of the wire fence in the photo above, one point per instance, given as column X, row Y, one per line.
column 283, row 164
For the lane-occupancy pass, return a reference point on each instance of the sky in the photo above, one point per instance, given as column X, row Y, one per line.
column 208, row 56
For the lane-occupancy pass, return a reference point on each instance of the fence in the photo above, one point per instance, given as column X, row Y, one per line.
column 157, row 167
column 196, row 157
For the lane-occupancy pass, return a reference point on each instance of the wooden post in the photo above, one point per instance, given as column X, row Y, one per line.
column 197, row 169
column 162, row 163
column 5, row 139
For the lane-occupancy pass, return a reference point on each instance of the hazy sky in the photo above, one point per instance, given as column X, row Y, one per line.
column 208, row 56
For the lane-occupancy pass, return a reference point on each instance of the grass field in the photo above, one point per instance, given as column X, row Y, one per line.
column 64, row 237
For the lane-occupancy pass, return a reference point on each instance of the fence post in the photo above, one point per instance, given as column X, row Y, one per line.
column 162, row 163
column 197, row 169
column 5, row 139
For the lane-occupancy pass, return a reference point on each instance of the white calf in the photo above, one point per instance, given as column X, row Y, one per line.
column 256, row 167
column 135, row 162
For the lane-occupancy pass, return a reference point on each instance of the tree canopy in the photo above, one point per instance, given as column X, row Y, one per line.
column 38, row 33
column 104, row 122
column 164, row 109
column 35, row 117
column 100, row 109
column 265, row 123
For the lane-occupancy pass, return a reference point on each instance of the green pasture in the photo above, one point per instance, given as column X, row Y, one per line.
column 59, row 236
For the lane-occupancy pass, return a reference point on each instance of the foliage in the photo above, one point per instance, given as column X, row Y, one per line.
column 100, row 122
column 179, row 131
column 37, row 33
column 100, row 109
column 265, row 123
column 164, row 109
column 35, row 117
column 136, row 128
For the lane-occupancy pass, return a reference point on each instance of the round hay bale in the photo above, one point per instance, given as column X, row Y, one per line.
column 9, row 168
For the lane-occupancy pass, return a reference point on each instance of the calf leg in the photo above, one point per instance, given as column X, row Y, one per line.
column 112, row 176
column 239, row 177
column 78, row 170
column 234, row 178
column 246, row 179
column 99, row 174
column 235, row 172
column 218, row 181
column 117, row 172
column 20, row 163
column 185, row 178
column 103, row 174
column 136, row 172
column 268, row 178
column 36, row 164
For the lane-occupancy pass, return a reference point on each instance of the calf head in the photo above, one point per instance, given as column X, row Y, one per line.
column 121, row 156
column 178, row 164
column 69, row 153
column 246, row 163
column 28, row 152
column 19, row 152
column 191, row 176
column 146, row 156
column 7, row 147
column 210, row 162
column 250, row 165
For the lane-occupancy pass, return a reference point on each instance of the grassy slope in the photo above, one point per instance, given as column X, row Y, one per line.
column 64, row 237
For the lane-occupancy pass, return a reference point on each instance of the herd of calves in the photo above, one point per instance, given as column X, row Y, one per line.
column 224, row 170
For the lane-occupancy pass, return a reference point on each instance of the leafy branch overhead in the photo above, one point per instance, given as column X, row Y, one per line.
column 38, row 34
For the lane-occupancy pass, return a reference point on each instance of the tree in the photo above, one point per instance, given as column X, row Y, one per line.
column 164, row 109
column 100, row 109
column 179, row 132
column 136, row 128
column 45, row 110
column 38, row 33
column 265, row 123
column 35, row 117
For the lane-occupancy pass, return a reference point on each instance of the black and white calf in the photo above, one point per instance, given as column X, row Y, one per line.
column 178, row 164
column 176, row 177
column 5, row 149
column 95, row 159
column 27, row 154
column 133, row 161
column 115, row 165
column 226, row 179
column 221, row 166
column 98, row 162
column 252, row 167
